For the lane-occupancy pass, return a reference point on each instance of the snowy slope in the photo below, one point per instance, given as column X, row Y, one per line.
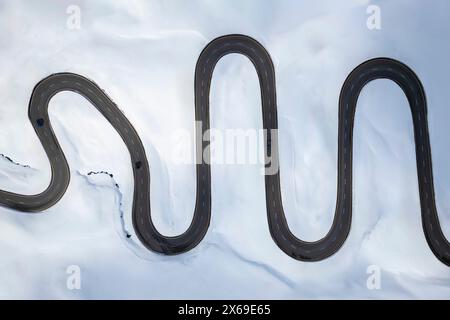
column 140, row 51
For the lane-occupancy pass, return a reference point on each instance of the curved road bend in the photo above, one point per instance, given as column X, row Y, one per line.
column 306, row 251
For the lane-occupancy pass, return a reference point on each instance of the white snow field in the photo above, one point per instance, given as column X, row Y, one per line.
column 142, row 51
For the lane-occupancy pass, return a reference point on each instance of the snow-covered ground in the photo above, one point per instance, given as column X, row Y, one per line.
column 141, row 51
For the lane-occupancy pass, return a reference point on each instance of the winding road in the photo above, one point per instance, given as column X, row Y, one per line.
column 305, row 251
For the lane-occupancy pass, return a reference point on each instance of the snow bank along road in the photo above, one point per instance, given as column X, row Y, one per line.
column 306, row 251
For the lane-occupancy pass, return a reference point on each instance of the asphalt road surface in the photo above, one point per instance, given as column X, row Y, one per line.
column 306, row 251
